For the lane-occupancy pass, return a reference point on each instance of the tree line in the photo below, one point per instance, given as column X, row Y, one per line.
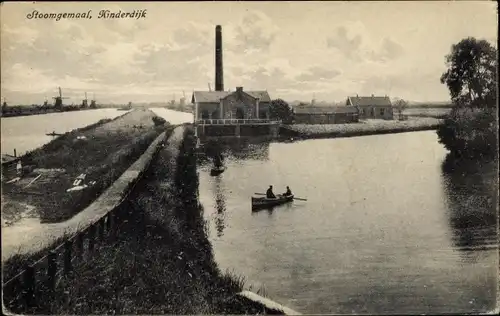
column 470, row 130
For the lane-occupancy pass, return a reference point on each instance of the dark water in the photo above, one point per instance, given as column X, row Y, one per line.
column 390, row 225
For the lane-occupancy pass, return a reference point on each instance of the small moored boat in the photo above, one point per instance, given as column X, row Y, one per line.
column 54, row 134
column 264, row 202
column 217, row 170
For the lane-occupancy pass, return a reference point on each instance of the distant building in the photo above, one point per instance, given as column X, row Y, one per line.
column 238, row 104
column 325, row 114
column 372, row 107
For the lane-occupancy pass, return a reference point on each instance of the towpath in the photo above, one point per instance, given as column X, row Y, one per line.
column 29, row 235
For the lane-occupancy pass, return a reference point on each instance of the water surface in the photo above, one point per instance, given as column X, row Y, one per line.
column 384, row 228
column 25, row 133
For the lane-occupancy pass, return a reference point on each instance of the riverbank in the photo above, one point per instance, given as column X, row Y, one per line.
column 160, row 260
column 64, row 176
column 29, row 235
column 367, row 127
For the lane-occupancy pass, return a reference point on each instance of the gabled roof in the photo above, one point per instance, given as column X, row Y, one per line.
column 370, row 101
column 208, row 96
column 215, row 96
column 263, row 96
column 324, row 109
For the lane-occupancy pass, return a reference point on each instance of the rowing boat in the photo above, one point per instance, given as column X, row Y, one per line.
column 54, row 134
column 264, row 202
column 217, row 171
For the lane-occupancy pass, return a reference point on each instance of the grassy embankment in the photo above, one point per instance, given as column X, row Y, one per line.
column 160, row 260
column 368, row 127
column 102, row 151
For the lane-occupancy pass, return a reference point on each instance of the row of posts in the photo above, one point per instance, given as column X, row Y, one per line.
column 94, row 232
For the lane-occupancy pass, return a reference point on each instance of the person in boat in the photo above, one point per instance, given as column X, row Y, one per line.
column 19, row 167
column 288, row 191
column 218, row 161
column 269, row 193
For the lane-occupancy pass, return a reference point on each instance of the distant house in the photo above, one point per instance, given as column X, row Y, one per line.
column 238, row 104
column 372, row 107
column 325, row 114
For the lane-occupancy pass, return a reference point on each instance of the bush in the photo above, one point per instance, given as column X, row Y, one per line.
column 469, row 132
column 159, row 121
column 280, row 110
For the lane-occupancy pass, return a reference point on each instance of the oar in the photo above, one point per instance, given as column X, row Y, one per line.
column 300, row 199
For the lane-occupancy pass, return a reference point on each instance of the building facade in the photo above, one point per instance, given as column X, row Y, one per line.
column 373, row 107
column 239, row 104
column 325, row 115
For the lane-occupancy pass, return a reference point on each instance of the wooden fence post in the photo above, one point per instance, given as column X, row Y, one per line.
column 51, row 270
column 29, row 287
column 109, row 223
column 116, row 216
column 79, row 245
column 68, row 254
column 91, row 236
column 101, row 228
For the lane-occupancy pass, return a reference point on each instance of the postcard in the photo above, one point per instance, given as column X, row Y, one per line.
column 249, row 157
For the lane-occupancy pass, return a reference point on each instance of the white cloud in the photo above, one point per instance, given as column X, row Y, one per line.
column 291, row 49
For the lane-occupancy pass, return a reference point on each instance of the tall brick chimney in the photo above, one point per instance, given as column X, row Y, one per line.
column 219, row 71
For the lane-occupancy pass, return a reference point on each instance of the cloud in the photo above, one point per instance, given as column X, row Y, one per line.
column 318, row 73
column 390, row 50
column 355, row 44
column 59, row 52
column 255, row 33
column 279, row 48
column 348, row 46
column 402, row 84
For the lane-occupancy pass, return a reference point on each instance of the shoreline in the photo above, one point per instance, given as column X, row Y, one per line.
column 75, row 130
column 107, row 200
column 363, row 128
column 96, row 154
column 25, row 111
column 299, row 136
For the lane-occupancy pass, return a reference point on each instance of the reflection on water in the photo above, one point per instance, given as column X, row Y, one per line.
column 220, row 205
column 471, row 191
column 235, row 150
column 385, row 228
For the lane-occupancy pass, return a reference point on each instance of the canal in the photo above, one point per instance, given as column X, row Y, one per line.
column 28, row 133
column 25, row 133
column 389, row 225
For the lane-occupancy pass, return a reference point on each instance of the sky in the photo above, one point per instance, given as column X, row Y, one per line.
column 294, row 50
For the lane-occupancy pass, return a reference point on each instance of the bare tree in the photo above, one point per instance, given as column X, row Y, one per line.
column 400, row 106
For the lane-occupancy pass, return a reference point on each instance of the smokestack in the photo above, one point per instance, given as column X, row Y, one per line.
column 219, row 73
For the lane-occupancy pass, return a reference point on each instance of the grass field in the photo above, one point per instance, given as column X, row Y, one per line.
column 102, row 152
